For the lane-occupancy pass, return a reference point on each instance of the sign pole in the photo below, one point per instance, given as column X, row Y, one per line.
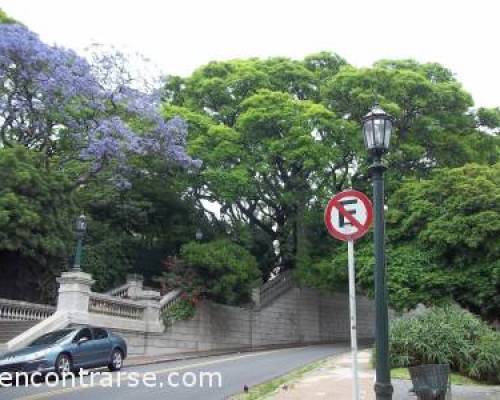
column 352, row 306
column 348, row 217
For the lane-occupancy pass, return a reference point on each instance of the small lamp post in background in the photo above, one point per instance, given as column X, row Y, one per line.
column 377, row 129
column 81, row 228
column 199, row 235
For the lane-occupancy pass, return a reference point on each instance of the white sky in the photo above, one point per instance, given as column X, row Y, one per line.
column 180, row 35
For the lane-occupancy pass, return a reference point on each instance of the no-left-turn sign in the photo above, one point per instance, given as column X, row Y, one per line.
column 348, row 215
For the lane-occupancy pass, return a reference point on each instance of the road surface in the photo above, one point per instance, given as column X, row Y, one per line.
column 210, row 378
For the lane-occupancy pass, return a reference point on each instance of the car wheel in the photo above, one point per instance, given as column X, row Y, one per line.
column 116, row 360
column 63, row 364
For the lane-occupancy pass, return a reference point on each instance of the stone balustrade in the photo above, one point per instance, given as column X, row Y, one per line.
column 273, row 288
column 169, row 300
column 115, row 306
column 24, row 311
column 120, row 291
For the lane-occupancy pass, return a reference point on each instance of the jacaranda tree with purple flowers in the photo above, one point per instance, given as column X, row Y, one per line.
column 56, row 102
column 66, row 123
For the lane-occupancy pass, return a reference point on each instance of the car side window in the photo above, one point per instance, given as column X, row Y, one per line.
column 100, row 334
column 84, row 333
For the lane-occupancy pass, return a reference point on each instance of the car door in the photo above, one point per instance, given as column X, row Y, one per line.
column 82, row 348
column 102, row 346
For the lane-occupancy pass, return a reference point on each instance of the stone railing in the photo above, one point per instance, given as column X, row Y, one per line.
column 115, row 306
column 24, row 311
column 169, row 300
column 273, row 288
column 120, row 291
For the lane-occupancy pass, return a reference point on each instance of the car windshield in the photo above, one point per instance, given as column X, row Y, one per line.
column 51, row 338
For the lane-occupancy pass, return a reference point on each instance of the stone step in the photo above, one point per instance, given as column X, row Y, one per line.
column 10, row 329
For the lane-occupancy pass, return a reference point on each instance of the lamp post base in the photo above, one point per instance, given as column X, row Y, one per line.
column 383, row 391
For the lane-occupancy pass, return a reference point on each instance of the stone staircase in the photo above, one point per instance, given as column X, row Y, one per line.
column 17, row 317
column 10, row 329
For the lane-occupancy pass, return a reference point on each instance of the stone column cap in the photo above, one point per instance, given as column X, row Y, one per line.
column 76, row 277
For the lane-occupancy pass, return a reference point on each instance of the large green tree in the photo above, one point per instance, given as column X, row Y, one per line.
column 279, row 136
column 269, row 147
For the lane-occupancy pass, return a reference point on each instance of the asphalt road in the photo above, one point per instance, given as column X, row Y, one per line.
column 228, row 375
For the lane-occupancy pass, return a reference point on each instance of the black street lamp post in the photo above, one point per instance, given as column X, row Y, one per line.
column 377, row 129
column 81, row 227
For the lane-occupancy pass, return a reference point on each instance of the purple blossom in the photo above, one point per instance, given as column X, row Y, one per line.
column 48, row 93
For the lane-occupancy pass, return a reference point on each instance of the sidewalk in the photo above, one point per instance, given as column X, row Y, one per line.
column 333, row 380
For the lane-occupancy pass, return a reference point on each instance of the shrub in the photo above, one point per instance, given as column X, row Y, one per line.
column 221, row 271
column 486, row 359
column 182, row 310
column 226, row 269
column 447, row 335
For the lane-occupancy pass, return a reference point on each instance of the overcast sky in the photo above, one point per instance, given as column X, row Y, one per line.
column 180, row 35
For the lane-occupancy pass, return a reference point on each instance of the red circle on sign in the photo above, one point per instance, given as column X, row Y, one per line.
column 335, row 203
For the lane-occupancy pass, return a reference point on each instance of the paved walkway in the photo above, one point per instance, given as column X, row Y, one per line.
column 334, row 381
column 331, row 381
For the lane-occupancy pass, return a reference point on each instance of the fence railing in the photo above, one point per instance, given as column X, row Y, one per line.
column 275, row 287
column 120, row 291
column 169, row 300
column 115, row 306
column 24, row 311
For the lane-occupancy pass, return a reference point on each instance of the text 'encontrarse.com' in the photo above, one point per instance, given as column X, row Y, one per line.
column 105, row 379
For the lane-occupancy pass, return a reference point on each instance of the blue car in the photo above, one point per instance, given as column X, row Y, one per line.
column 68, row 350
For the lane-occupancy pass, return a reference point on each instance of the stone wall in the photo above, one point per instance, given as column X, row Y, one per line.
column 299, row 316
column 283, row 315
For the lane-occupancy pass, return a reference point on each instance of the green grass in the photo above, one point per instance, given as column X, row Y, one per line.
column 265, row 389
column 456, row 379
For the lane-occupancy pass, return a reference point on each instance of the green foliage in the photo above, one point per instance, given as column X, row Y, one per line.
column 5, row 19
column 444, row 233
column 223, row 271
column 277, row 137
column 489, row 118
column 107, row 255
column 134, row 230
column 486, row 358
column 442, row 243
column 433, row 125
column 182, row 310
column 447, row 335
column 35, row 206
column 267, row 143
column 36, row 221
column 413, row 275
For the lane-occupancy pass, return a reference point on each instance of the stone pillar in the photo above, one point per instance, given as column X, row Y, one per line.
column 74, row 292
column 151, row 299
column 256, row 297
column 135, row 282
